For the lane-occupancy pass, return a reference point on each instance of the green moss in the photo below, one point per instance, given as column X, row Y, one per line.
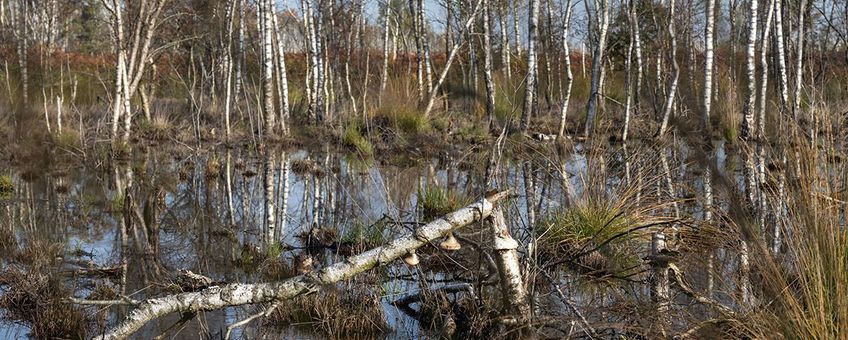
column 412, row 122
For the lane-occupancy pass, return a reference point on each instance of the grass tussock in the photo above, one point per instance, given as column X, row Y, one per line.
column 435, row 201
column 67, row 139
column 339, row 313
column 354, row 138
column 160, row 127
column 593, row 235
column 599, row 234
column 728, row 110
column 34, row 295
column 36, row 298
column 586, row 221
column 405, row 118
column 363, row 237
column 7, row 187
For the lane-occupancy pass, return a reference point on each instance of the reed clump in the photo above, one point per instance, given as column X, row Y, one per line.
column 340, row 313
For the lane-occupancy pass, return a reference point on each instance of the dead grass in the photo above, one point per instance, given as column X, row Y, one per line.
column 352, row 311
column 33, row 294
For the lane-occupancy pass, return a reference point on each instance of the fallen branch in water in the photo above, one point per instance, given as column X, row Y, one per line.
column 237, row 294
column 404, row 303
column 678, row 278
column 247, row 320
column 122, row 301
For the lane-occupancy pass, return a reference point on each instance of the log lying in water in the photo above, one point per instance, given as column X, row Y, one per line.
column 237, row 294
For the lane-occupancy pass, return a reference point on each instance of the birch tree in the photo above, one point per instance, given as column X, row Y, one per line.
column 668, row 106
column 451, row 56
column 384, row 76
column 487, row 61
column 506, row 64
column 237, row 294
column 599, row 26
column 799, row 60
column 282, row 74
column 266, row 32
column 628, row 62
column 532, row 69
column 228, row 67
column 748, row 129
column 761, row 113
column 566, row 25
column 709, row 46
column 133, row 53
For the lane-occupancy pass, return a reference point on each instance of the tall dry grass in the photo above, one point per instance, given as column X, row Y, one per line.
column 805, row 288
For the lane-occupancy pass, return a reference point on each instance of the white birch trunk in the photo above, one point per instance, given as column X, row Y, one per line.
column 748, row 129
column 628, row 77
column 515, row 31
column 23, row 49
column 384, row 75
column 783, row 79
column 229, row 75
column 59, row 114
column 240, row 60
column 505, row 53
column 637, row 37
column 601, row 24
column 270, row 210
column 799, row 61
column 709, row 44
column 487, row 63
column 532, row 69
column 425, row 45
column 566, row 26
column 761, row 113
column 660, row 290
column 668, row 107
column 266, row 32
column 282, row 75
column 284, row 193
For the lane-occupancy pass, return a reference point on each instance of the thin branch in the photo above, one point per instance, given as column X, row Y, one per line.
column 123, row 301
column 246, row 321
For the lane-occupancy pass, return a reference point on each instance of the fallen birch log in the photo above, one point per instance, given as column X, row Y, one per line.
column 237, row 294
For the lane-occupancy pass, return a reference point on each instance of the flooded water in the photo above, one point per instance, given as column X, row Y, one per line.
column 146, row 218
